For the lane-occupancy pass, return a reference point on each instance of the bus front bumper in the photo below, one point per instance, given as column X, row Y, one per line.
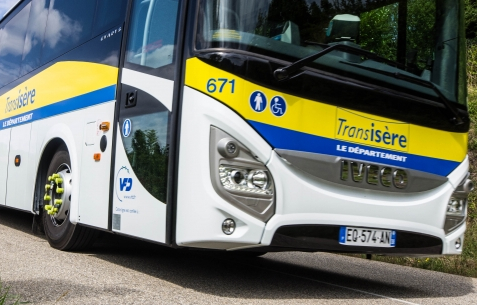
column 310, row 213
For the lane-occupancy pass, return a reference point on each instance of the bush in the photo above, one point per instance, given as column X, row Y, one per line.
column 472, row 63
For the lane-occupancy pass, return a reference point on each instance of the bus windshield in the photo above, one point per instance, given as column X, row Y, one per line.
column 416, row 38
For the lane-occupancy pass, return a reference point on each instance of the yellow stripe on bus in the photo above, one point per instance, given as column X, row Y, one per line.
column 320, row 119
column 62, row 81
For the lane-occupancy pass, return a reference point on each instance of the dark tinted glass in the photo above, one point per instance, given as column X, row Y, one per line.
column 11, row 46
column 1, row 67
column 148, row 151
column 152, row 35
column 109, row 13
column 69, row 24
column 147, row 145
column 416, row 37
column 34, row 35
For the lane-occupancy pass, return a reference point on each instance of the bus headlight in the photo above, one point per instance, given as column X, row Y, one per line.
column 245, row 180
column 457, row 206
column 239, row 177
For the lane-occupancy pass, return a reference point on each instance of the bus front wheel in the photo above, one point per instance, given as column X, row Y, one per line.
column 60, row 232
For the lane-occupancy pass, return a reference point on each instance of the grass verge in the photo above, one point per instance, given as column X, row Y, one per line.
column 8, row 299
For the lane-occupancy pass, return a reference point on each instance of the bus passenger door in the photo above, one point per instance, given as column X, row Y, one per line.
column 142, row 149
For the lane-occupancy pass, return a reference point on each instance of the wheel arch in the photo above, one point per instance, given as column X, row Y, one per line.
column 44, row 161
column 57, row 136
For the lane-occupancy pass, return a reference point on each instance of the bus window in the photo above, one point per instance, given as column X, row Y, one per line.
column 69, row 24
column 415, row 37
column 411, row 42
column 11, row 51
column 152, row 35
column 34, row 36
column 109, row 13
column 1, row 33
column 150, row 50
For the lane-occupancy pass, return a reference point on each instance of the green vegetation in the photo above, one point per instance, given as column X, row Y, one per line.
column 379, row 29
column 465, row 264
column 6, row 298
column 149, row 160
column 470, row 18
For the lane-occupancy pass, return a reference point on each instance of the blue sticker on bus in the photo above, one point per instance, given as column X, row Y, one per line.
column 258, row 101
column 124, row 185
column 278, row 106
column 127, row 127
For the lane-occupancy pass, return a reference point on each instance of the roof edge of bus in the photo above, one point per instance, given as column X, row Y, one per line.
column 10, row 10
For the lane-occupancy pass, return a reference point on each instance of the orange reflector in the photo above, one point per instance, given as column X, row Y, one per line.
column 104, row 126
column 18, row 160
column 97, row 157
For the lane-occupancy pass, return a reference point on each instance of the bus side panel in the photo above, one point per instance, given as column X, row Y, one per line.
column 135, row 211
column 95, row 174
column 19, row 193
column 200, row 210
column 4, row 148
column 68, row 127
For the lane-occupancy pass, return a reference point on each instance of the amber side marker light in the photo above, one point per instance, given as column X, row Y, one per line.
column 97, row 157
column 18, row 160
column 104, row 126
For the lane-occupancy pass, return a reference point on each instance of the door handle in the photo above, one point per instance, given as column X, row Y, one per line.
column 131, row 99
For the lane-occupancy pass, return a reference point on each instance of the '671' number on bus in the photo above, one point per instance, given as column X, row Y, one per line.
column 219, row 84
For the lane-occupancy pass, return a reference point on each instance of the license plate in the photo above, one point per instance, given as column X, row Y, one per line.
column 351, row 236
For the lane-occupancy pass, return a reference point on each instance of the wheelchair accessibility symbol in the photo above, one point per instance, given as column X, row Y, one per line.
column 278, row 106
column 258, row 101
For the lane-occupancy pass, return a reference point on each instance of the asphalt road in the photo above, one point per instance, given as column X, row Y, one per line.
column 118, row 270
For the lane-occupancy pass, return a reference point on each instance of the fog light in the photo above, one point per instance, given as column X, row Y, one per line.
column 231, row 148
column 458, row 243
column 228, row 226
column 228, row 148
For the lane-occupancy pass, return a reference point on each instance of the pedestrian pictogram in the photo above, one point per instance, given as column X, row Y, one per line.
column 258, row 101
column 127, row 128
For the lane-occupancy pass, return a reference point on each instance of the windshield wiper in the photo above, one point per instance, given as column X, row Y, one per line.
column 285, row 72
column 455, row 117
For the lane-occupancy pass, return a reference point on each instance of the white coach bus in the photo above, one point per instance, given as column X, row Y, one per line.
column 258, row 125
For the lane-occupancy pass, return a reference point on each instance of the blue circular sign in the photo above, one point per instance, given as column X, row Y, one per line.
column 278, row 106
column 258, row 101
column 127, row 127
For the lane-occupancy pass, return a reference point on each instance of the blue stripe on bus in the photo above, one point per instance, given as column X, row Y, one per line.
column 74, row 103
column 282, row 138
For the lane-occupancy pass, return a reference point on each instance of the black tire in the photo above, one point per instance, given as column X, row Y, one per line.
column 65, row 236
